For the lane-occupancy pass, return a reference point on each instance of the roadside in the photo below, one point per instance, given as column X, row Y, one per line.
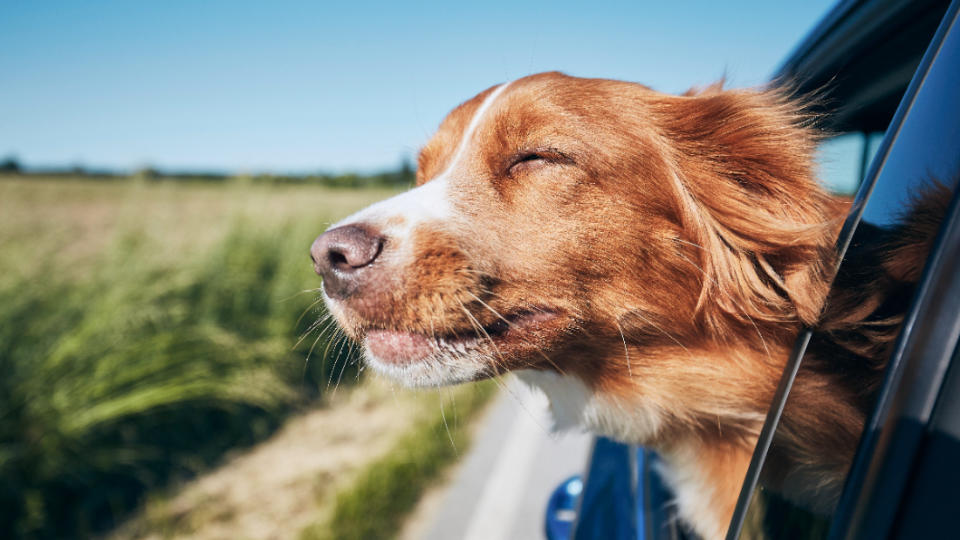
column 280, row 486
column 285, row 486
column 500, row 488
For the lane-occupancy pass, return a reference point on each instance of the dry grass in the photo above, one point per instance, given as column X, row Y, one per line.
column 145, row 329
column 280, row 486
column 72, row 222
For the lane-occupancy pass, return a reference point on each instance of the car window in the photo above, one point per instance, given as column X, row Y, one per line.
column 915, row 174
column 842, row 160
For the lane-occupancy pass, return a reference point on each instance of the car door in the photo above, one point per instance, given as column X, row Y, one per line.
column 920, row 153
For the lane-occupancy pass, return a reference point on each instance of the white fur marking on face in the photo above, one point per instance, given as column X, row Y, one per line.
column 428, row 202
column 471, row 127
column 425, row 203
column 396, row 218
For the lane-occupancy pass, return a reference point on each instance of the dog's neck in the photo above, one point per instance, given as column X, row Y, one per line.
column 705, row 435
column 704, row 422
column 705, row 473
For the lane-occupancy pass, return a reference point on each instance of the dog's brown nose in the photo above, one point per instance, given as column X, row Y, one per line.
column 339, row 256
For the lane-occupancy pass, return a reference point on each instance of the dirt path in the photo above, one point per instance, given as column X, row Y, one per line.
column 276, row 488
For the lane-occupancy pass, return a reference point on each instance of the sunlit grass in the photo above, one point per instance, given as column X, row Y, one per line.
column 144, row 330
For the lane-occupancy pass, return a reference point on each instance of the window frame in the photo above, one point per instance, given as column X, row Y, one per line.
column 852, row 510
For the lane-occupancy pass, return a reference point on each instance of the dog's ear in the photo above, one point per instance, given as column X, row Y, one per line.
column 747, row 195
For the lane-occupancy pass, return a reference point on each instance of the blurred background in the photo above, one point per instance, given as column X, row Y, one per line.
column 166, row 369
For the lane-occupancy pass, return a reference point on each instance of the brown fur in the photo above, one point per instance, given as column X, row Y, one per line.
column 679, row 243
column 841, row 373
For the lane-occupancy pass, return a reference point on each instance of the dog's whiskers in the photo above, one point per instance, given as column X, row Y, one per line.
column 478, row 328
column 335, row 338
column 490, row 309
column 626, row 351
column 306, row 361
column 316, row 324
column 446, row 426
column 308, row 308
column 344, row 341
column 511, row 325
column 298, row 293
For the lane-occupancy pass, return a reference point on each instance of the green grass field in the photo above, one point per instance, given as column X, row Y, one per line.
column 145, row 329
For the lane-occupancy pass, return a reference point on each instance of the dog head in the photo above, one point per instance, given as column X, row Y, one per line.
column 587, row 227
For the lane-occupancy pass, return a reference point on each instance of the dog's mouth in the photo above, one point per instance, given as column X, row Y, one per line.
column 514, row 331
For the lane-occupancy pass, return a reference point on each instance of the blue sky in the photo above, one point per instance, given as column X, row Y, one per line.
column 335, row 86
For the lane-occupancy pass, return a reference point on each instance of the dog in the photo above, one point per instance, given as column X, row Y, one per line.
column 647, row 260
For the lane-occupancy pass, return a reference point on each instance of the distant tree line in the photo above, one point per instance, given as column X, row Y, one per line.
column 10, row 165
column 401, row 176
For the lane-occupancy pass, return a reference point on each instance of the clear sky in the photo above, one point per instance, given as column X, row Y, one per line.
column 335, row 86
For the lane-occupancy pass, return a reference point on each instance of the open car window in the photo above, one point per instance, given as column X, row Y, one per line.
column 915, row 172
column 843, row 160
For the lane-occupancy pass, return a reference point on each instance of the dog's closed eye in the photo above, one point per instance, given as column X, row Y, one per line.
column 529, row 160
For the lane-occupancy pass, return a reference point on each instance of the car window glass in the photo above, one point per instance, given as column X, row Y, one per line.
column 841, row 160
column 873, row 144
column 842, row 369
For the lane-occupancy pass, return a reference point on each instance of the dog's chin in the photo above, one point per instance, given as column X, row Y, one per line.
column 419, row 360
column 440, row 368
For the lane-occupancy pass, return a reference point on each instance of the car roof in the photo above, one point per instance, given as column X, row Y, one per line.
column 841, row 57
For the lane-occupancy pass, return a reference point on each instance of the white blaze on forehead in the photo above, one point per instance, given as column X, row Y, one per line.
column 471, row 127
column 430, row 201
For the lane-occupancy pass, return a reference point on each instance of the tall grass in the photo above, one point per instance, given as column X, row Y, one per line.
column 123, row 372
